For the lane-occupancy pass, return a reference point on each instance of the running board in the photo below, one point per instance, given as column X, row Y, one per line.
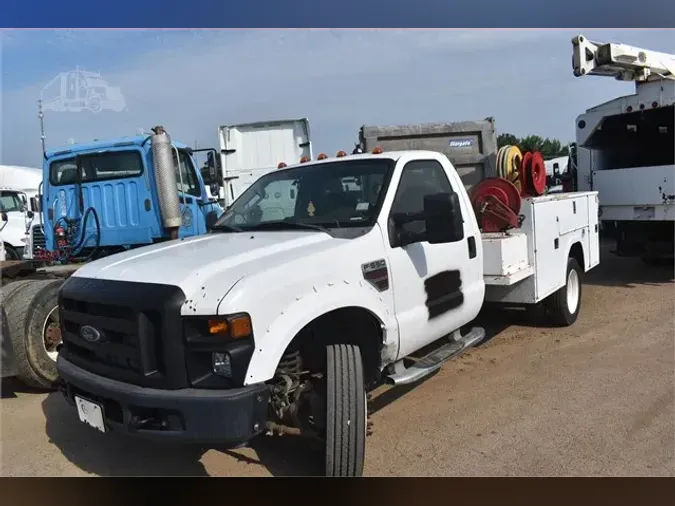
column 434, row 360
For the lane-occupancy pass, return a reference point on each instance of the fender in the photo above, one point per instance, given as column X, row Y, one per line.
column 316, row 302
column 567, row 241
column 578, row 236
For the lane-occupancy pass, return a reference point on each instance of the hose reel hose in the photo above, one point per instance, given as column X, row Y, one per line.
column 509, row 165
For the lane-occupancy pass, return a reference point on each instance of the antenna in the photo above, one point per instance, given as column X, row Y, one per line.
column 42, row 128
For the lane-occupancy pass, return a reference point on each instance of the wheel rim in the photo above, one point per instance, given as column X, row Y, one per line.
column 572, row 291
column 51, row 333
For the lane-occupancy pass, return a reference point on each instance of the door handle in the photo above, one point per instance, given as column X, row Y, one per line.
column 471, row 241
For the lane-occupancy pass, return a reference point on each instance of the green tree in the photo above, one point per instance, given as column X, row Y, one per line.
column 549, row 148
column 507, row 140
column 531, row 143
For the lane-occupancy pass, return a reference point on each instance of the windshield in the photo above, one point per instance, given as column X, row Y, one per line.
column 97, row 167
column 10, row 201
column 334, row 194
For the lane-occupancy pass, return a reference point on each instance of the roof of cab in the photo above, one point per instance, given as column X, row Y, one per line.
column 389, row 155
column 101, row 144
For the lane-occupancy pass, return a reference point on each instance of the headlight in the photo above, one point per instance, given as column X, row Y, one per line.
column 218, row 349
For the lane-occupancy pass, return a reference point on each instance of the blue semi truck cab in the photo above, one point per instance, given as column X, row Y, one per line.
column 106, row 196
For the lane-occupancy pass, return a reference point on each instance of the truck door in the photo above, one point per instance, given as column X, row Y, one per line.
column 190, row 196
column 437, row 287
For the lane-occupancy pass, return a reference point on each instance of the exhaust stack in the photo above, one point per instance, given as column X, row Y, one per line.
column 165, row 177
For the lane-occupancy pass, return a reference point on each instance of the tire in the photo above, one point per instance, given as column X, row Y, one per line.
column 10, row 288
column 345, row 411
column 563, row 311
column 11, row 253
column 24, row 308
column 94, row 104
column 8, row 363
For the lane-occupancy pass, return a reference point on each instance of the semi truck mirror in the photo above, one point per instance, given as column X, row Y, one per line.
column 4, row 216
column 34, row 204
column 214, row 187
column 443, row 218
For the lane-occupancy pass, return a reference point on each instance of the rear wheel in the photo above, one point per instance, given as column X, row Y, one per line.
column 564, row 305
column 345, row 411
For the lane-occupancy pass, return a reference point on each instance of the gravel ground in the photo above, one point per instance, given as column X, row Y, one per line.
column 595, row 399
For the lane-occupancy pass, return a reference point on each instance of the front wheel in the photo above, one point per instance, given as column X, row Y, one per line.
column 345, row 411
column 564, row 305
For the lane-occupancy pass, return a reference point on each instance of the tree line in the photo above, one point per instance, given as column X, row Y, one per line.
column 549, row 148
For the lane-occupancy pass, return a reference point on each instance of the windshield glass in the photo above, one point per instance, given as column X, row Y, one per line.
column 10, row 201
column 334, row 194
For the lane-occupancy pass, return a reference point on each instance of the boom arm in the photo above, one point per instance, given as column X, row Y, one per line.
column 623, row 62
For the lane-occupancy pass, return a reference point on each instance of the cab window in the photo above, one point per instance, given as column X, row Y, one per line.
column 418, row 179
column 190, row 183
column 96, row 167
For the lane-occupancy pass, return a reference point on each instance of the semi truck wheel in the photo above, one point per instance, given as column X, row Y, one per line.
column 563, row 306
column 26, row 306
column 345, row 411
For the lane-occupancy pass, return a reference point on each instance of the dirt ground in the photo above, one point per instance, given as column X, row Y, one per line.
column 595, row 399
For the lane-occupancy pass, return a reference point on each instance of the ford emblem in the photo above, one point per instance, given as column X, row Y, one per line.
column 89, row 333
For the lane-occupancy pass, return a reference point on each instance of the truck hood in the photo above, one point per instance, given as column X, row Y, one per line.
column 217, row 259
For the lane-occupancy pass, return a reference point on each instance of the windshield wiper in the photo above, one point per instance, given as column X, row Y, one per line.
column 280, row 225
column 225, row 228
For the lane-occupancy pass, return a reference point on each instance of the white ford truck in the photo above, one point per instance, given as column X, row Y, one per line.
column 286, row 315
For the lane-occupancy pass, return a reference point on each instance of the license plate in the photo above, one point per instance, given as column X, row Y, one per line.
column 90, row 413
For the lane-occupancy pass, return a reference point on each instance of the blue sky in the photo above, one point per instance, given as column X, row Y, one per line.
column 191, row 81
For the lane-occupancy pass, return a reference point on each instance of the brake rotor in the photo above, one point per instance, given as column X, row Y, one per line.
column 536, row 174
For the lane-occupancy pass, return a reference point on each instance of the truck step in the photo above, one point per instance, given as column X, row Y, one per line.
column 433, row 361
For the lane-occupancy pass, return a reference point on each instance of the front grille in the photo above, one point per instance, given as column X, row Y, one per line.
column 131, row 321
column 38, row 238
column 118, row 347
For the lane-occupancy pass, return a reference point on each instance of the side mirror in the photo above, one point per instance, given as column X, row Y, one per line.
column 443, row 218
column 211, row 219
column 30, row 214
column 34, row 204
column 214, row 187
column 4, row 216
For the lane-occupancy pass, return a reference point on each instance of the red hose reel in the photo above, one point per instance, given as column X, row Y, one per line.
column 497, row 201
column 533, row 174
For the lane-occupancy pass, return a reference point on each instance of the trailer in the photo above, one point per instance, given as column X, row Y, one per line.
column 250, row 150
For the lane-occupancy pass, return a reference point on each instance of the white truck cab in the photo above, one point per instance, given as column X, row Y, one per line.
column 319, row 282
column 14, row 204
